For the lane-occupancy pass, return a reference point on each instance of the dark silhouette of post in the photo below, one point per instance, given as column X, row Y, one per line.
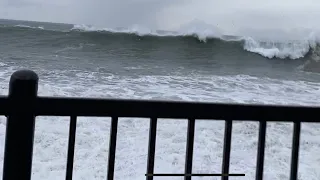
column 23, row 88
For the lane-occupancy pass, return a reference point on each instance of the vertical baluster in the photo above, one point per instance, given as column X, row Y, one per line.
column 18, row 151
column 226, row 149
column 112, row 147
column 261, row 149
column 152, row 147
column 71, row 145
column 295, row 150
column 189, row 148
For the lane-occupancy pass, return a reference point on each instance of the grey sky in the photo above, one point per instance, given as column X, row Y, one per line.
column 229, row 15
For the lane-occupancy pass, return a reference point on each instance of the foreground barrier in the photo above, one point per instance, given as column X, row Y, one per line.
column 22, row 105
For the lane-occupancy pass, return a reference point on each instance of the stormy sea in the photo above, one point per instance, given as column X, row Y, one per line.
column 193, row 63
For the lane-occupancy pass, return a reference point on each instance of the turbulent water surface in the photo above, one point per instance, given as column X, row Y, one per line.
column 139, row 63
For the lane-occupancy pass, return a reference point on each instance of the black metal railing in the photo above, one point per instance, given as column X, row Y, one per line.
column 23, row 105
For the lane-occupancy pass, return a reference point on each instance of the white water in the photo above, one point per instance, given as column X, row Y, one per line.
column 93, row 133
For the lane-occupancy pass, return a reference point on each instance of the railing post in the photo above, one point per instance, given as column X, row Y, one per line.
column 23, row 88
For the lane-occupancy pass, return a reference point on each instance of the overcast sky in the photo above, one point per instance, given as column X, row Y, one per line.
column 164, row 14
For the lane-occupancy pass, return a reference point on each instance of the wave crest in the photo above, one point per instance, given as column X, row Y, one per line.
column 282, row 50
column 292, row 49
column 269, row 48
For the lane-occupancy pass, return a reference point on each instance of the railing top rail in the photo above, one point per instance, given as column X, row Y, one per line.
column 66, row 106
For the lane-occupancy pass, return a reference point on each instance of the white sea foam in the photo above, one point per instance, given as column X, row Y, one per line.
column 292, row 50
column 26, row 26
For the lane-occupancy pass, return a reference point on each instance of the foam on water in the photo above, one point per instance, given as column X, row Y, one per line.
column 92, row 133
column 292, row 50
column 26, row 26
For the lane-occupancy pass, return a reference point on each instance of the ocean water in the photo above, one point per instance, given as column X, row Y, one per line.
column 192, row 64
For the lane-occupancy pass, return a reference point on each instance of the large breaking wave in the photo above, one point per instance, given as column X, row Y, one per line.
column 291, row 48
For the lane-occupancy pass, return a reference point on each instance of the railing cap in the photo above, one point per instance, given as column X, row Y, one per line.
column 23, row 84
column 24, row 74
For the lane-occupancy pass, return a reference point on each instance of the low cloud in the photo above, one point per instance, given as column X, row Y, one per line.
column 229, row 15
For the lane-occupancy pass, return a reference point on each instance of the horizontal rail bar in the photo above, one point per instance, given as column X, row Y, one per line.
column 188, row 175
column 58, row 106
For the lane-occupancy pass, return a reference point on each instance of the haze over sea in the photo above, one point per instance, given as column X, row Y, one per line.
column 223, row 51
